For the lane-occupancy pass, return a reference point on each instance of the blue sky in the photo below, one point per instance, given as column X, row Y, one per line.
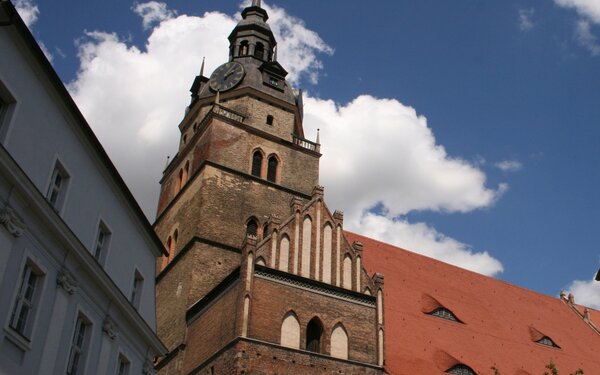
column 484, row 127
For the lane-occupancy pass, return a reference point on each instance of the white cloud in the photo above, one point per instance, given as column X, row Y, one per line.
column 509, row 165
column 153, row 12
column 526, row 19
column 586, row 8
column 586, row 293
column 586, row 38
column 28, row 11
column 376, row 151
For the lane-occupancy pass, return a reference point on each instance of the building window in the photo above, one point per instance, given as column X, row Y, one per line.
column 265, row 230
column 57, row 187
column 184, row 139
column 102, row 242
column 444, row 313
column 273, row 81
column 251, row 227
column 257, row 159
column 136, row 288
column 339, row 342
column 243, row 50
column 25, row 301
column 290, row 331
column 314, row 331
column 269, row 120
column 460, row 369
column 547, row 341
column 272, row 168
column 79, row 345
column 122, row 365
column 259, row 51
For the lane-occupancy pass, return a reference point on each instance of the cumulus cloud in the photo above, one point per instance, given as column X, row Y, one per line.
column 153, row 12
column 526, row 19
column 28, row 11
column 586, row 38
column 509, row 165
column 134, row 99
column 587, row 8
column 586, row 292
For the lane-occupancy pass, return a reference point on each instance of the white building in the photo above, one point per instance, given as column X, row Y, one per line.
column 77, row 255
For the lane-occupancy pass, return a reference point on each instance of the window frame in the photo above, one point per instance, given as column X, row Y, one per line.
column 8, row 104
column 80, row 349
column 137, row 288
column 58, row 169
column 102, row 254
column 25, row 337
column 122, row 360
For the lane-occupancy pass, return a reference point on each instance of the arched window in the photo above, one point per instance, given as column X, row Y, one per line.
column 256, row 163
column 272, row 168
column 290, row 331
column 314, row 331
column 180, row 180
column 339, row 342
column 259, row 51
column 269, row 120
column 284, row 253
column 186, row 171
column 460, row 369
column 347, row 275
column 265, row 230
column 251, row 227
column 184, row 139
column 243, row 51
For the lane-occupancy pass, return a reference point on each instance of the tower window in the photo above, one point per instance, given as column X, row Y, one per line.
column 272, row 169
column 259, row 51
column 184, row 139
column 257, row 159
column 243, row 50
column 265, row 230
column 314, row 331
column 269, row 120
column 460, row 369
column 251, row 227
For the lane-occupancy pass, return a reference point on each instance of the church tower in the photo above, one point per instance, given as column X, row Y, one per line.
column 260, row 278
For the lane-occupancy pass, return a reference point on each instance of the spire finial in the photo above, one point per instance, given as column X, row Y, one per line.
column 318, row 136
column 256, row 3
column 202, row 67
column 275, row 53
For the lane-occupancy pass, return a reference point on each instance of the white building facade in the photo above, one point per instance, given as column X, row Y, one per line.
column 77, row 255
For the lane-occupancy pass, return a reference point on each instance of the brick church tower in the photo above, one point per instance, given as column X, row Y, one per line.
column 260, row 278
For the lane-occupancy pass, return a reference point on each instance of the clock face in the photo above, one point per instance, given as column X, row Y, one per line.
column 227, row 76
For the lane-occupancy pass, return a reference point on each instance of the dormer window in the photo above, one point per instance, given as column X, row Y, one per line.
column 460, row 369
column 444, row 313
column 548, row 342
column 259, row 51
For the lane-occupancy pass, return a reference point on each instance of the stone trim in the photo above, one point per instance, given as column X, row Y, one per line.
column 12, row 222
column 314, row 286
column 109, row 327
column 65, row 280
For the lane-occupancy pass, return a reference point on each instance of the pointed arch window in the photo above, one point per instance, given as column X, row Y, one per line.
column 251, row 227
column 290, row 331
column 339, row 342
column 265, row 230
column 259, row 51
column 314, row 332
column 257, row 159
column 272, row 168
column 243, row 50
column 460, row 369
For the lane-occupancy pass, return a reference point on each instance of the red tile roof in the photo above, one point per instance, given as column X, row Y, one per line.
column 501, row 321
